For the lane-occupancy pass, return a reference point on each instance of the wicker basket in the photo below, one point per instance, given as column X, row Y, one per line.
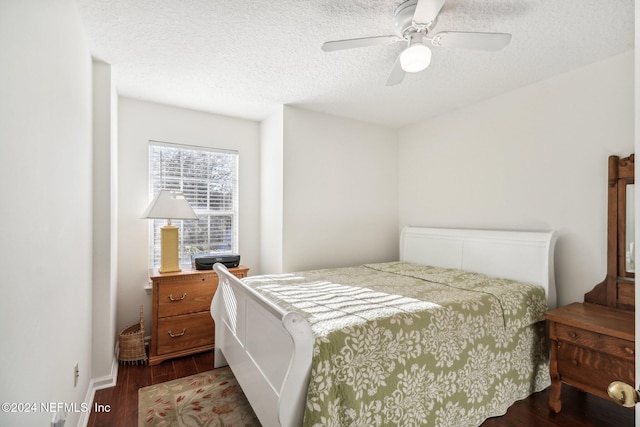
column 132, row 343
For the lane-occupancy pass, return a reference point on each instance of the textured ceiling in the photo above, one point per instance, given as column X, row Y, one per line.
column 243, row 58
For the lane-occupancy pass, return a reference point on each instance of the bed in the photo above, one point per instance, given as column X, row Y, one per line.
column 384, row 344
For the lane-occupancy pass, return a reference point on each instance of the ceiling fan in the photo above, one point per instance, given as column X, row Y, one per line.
column 414, row 21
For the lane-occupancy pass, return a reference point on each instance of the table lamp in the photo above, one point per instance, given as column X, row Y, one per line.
column 169, row 205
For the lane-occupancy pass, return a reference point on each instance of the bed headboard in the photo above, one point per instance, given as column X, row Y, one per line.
column 525, row 256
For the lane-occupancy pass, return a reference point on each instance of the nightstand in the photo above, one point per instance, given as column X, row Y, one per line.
column 181, row 322
column 591, row 346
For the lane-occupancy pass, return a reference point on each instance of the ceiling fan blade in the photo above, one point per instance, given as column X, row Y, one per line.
column 361, row 42
column 427, row 11
column 479, row 41
column 397, row 74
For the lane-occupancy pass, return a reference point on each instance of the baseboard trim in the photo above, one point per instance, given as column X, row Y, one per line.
column 108, row 380
column 99, row 383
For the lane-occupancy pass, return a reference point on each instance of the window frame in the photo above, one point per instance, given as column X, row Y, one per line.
column 193, row 227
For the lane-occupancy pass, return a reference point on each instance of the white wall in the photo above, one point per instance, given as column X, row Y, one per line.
column 534, row 158
column 271, row 191
column 46, row 212
column 340, row 203
column 139, row 122
column 105, row 271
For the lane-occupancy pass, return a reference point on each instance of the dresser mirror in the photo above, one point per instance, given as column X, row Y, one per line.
column 617, row 290
column 630, row 263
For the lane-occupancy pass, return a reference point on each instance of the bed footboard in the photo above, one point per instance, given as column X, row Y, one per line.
column 269, row 350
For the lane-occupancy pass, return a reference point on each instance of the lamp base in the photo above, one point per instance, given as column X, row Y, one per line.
column 169, row 257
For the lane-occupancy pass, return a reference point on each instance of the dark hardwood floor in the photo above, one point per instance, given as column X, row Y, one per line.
column 123, row 398
column 578, row 409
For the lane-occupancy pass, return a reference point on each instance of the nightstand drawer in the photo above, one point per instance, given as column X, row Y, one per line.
column 184, row 332
column 601, row 369
column 593, row 340
column 186, row 296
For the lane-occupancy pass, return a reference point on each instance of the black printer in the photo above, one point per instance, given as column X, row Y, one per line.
column 206, row 261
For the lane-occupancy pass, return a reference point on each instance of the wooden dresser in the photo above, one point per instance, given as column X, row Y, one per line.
column 591, row 346
column 593, row 342
column 181, row 322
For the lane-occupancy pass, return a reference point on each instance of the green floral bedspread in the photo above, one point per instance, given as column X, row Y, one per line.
column 400, row 344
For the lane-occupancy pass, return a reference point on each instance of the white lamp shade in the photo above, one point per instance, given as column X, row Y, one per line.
column 415, row 58
column 169, row 204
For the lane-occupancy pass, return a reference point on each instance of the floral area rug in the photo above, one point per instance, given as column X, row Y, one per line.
column 211, row 398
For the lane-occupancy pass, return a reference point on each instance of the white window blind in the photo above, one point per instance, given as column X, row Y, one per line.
column 209, row 180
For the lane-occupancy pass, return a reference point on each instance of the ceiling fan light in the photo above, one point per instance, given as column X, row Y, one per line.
column 415, row 58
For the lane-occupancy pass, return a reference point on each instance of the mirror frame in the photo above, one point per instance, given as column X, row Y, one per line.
column 620, row 175
column 618, row 288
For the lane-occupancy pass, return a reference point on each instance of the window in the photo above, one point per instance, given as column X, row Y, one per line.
column 209, row 180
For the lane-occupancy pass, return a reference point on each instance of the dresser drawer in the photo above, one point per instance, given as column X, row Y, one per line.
column 593, row 367
column 185, row 332
column 593, row 340
column 187, row 295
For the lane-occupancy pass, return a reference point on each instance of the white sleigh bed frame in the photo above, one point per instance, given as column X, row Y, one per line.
column 270, row 350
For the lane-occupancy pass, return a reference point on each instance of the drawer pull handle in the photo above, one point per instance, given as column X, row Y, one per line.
column 572, row 334
column 629, row 350
column 575, row 362
column 177, row 299
column 178, row 335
